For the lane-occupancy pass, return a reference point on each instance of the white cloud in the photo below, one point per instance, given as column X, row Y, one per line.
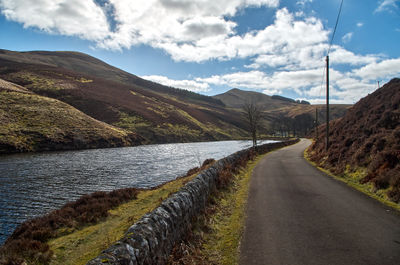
column 82, row 18
column 340, row 55
column 275, row 83
column 158, row 23
column 253, row 80
column 385, row 69
column 183, row 84
column 294, row 45
column 347, row 37
column 360, row 24
column 303, row 2
column 387, row 5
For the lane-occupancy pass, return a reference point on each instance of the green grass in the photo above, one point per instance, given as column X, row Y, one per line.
column 221, row 245
column 352, row 177
column 84, row 244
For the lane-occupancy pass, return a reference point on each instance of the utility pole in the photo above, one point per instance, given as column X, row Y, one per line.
column 327, row 103
column 316, row 124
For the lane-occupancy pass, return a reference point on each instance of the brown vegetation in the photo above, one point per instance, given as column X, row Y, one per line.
column 29, row 240
column 368, row 136
column 153, row 112
column 30, row 122
column 157, row 113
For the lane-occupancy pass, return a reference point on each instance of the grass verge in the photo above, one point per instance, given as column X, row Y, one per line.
column 216, row 235
column 353, row 178
column 82, row 245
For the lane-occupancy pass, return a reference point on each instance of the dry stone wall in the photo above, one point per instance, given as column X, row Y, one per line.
column 151, row 239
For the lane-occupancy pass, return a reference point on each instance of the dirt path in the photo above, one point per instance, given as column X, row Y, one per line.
column 298, row 215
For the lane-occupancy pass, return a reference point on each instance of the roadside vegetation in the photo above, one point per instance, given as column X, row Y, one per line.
column 216, row 233
column 365, row 145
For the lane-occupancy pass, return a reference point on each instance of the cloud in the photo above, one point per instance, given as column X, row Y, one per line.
column 340, row 55
column 293, row 45
column 385, row 69
column 303, row 2
column 82, row 18
column 270, row 84
column 347, row 37
column 190, row 85
column 251, row 80
column 387, row 5
column 360, row 24
column 158, row 23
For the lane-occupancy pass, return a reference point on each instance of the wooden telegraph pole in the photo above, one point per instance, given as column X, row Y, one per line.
column 316, row 124
column 327, row 103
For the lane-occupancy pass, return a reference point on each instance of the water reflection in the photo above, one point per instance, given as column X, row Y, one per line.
column 34, row 184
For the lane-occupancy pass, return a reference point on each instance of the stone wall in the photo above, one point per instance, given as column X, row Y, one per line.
column 151, row 239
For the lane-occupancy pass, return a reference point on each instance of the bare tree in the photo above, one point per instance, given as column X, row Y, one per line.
column 253, row 114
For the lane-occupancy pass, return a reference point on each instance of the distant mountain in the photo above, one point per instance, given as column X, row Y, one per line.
column 30, row 122
column 366, row 140
column 236, row 98
column 282, row 115
column 290, row 100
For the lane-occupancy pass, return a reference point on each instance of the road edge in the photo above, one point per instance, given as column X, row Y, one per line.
column 358, row 187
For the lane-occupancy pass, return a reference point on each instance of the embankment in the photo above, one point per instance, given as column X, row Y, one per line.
column 151, row 239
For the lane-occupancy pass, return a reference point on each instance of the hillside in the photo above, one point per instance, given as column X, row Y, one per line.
column 30, row 122
column 88, row 65
column 282, row 114
column 236, row 98
column 365, row 143
column 153, row 112
column 157, row 117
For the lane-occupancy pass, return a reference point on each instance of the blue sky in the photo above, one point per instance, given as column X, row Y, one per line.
column 209, row 46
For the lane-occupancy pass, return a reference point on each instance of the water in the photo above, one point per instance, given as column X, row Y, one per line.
column 33, row 184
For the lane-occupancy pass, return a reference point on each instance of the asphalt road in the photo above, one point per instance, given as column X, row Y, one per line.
column 299, row 215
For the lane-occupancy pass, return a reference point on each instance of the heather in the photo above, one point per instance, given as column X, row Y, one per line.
column 365, row 143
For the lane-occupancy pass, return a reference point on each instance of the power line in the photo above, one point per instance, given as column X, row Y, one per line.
column 330, row 46
column 334, row 31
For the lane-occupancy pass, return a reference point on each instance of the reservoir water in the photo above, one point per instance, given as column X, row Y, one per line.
column 33, row 184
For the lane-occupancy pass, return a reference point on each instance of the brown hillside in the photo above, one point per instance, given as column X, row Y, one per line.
column 88, row 65
column 30, row 122
column 236, row 98
column 157, row 117
column 281, row 114
column 368, row 136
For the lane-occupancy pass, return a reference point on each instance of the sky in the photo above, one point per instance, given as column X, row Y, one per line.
column 277, row 47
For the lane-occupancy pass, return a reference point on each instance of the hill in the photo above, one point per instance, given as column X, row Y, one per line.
column 30, row 122
column 236, row 98
column 88, row 65
column 365, row 143
column 155, row 113
column 158, row 115
column 282, row 115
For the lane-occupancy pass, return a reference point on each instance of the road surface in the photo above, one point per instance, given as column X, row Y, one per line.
column 299, row 215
